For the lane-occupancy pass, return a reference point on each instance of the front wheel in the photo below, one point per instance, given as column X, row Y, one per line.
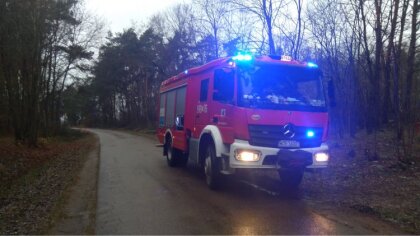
column 291, row 178
column 211, row 168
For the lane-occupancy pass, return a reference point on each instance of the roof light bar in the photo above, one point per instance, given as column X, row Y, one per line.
column 312, row 65
column 242, row 57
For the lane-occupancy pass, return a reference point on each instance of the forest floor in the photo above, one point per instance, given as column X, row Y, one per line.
column 34, row 182
column 377, row 185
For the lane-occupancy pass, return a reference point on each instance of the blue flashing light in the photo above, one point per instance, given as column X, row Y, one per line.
column 242, row 57
column 312, row 65
column 186, row 72
column 310, row 134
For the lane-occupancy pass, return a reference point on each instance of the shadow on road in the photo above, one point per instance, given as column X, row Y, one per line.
column 250, row 184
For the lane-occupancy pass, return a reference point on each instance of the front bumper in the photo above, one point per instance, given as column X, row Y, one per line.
column 270, row 156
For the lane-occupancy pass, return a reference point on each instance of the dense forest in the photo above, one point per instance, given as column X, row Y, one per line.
column 44, row 45
column 58, row 67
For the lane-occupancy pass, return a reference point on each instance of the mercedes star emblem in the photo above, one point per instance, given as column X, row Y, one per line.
column 288, row 131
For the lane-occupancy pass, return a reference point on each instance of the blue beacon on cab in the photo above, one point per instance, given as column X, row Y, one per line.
column 310, row 133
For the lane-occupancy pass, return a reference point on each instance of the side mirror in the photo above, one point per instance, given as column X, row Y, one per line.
column 216, row 95
column 179, row 122
column 331, row 93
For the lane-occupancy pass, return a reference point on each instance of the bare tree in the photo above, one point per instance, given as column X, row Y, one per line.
column 394, row 10
column 332, row 34
column 243, row 33
column 267, row 11
column 213, row 19
column 24, row 31
column 42, row 43
column 70, row 48
column 292, row 28
column 408, row 105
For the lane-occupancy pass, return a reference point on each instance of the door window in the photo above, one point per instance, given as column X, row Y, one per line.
column 223, row 85
column 204, row 90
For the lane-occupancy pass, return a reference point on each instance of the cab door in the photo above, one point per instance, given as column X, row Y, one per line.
column 223, row 100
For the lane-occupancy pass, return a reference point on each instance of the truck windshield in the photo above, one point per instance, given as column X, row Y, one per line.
column 280, row 87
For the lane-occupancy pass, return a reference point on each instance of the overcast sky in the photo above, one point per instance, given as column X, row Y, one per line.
column 119, row 14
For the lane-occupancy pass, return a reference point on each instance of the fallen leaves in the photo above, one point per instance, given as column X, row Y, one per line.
column 33, row 181
column 373, row 184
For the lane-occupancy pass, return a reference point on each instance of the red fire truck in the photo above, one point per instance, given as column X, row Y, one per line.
column 253, row 112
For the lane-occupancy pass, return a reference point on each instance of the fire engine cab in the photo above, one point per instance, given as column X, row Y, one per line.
column 245, row 112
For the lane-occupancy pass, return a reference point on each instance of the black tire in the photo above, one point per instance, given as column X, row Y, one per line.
column 183, row 159
column 291, row 178
column 172, row 155
column 211, row 168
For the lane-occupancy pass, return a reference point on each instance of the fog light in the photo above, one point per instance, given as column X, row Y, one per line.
column 321, row 157
column 246, row 155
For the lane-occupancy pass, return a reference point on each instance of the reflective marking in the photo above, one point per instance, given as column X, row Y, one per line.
column 202, row 108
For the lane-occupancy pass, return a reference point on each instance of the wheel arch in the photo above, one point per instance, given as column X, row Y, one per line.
column 168, row 135
column 211, row 134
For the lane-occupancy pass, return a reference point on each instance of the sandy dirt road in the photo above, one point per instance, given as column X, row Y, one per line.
column 139, row 194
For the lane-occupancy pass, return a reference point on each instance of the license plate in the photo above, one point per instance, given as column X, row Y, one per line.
column 288, row 143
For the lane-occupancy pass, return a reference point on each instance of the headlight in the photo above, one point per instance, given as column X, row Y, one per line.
column 247, row 155
column 321, row 157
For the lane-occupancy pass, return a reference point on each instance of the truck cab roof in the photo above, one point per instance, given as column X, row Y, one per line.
column 176, row 80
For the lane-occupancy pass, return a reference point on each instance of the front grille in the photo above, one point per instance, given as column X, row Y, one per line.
column 287, row 158
column 270, row 135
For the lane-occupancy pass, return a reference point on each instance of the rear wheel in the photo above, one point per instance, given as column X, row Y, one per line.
column 291, row 178
column 172, row 154
column 211, row 168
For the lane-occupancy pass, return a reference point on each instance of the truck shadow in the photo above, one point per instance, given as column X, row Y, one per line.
column 248, row 183
column 263, row 182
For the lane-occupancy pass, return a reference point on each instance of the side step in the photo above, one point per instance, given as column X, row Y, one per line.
column 158, row 145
